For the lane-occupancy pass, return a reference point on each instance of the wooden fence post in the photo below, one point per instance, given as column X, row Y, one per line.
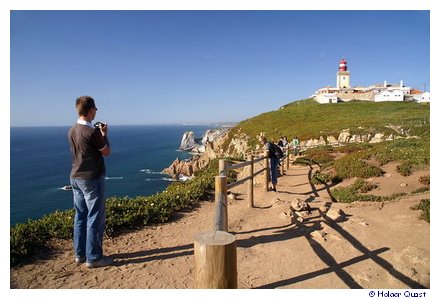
column 282, row 166
column 221, row 204
column 222, row 167
column 251, row 182
column 266, row 172
column 215, row 257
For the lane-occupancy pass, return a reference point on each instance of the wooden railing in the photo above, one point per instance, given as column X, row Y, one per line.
column 211, row 271
column 221, row 186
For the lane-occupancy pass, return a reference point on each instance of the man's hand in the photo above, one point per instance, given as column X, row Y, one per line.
column 104, row 128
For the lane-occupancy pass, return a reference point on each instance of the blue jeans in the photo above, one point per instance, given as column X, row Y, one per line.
column 274, row 170
column 88, row 229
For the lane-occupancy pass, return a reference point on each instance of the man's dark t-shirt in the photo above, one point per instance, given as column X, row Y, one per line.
column 87, row 160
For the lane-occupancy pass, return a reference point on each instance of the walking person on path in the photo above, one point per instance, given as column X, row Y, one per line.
column 88, row 145
column 275, row 153
column 295, row 145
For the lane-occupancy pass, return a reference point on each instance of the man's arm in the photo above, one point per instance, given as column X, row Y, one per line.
column 106, row 150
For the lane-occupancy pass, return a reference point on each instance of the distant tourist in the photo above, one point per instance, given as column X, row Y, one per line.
column 285, row 142
column 88, row 145
column 280, row 142
column 275, row 153
column 295, row 145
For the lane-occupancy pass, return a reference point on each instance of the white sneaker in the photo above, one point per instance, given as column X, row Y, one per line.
column 80, row 259
column 104, row 261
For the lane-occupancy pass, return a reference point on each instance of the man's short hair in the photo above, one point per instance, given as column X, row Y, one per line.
column 84, row 104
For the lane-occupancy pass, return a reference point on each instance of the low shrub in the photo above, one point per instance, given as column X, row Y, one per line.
column 352, row 166
column 424, row 206
column 321, row 178
column 420, row 190
column 319, row 155
column 363, row 186
column 425, row 180
column 404, row 169
column 27, row 238
column 352, row 193
column 349, row 194
column 410, row 151
column 353, row 148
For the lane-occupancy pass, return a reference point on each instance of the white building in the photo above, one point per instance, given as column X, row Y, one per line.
column 326, row 98
column 381, row 92
column 422, row 97
column 389, row 96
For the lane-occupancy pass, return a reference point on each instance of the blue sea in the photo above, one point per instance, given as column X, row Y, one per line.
column 41, row 162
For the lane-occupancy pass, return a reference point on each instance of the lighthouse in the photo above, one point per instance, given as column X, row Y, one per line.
column 343, row 76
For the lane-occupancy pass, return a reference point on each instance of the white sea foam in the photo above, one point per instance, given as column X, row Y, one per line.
column 114, row 177
column 161, row 179
column 183, row 178
column 66, row 188
column 149, row 171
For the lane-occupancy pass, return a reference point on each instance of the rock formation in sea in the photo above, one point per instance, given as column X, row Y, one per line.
column 188, row 141
column 209, row 148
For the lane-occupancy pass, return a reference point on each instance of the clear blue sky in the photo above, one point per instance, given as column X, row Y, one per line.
column 157, row 67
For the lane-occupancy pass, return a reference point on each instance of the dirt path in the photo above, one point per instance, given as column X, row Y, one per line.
column 378, row 246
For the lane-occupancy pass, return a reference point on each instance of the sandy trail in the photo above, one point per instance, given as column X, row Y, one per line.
column 380, row 245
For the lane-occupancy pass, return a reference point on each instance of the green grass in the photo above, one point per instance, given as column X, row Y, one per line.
column 308, row 119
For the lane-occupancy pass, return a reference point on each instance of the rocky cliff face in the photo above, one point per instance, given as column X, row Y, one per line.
column 188, row 142
column 186, row 168
column 346, row 137
column 212, row 144
column 207, row 150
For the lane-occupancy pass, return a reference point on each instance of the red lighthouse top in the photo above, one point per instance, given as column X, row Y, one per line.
column 343, row 65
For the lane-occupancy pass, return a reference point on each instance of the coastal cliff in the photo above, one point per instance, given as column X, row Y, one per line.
column 314, row 124
column 204, row 149
column 213, row 144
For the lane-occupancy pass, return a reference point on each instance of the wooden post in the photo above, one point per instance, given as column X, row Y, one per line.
column 222, row 167
column 282, row 166
column 251, row 182
column 215, row 258
column 221, row 204
column 287, row 157
column 266, row 172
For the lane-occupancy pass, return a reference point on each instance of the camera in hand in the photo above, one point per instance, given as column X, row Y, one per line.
column 98, row 125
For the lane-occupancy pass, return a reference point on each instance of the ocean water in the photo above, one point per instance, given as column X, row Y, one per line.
column 41, row 162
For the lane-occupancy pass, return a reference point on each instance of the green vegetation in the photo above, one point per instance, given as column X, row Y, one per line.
column 320, row 155
column 411, row 153
column 308, row 119
column 414, row 152
column 425, row 180
column 353, row 166
column 121, row 213
column 424, row 206
column 353, row 193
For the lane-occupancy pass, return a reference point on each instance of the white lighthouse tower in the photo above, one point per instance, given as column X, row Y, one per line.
column 343, row 76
